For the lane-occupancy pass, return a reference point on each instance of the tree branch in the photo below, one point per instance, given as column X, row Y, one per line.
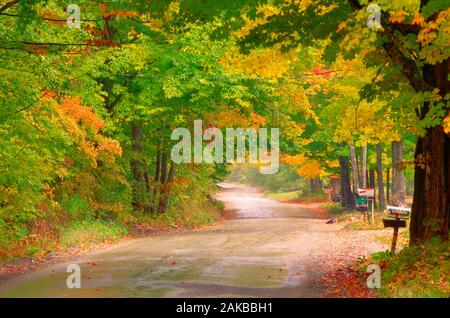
column 409, row 68
column 8, row 5
column 355, row 5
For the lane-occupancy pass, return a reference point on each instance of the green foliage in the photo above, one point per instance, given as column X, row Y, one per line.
column 286, row 180
column 89, row 232
column 68, row 99
column 314, row 196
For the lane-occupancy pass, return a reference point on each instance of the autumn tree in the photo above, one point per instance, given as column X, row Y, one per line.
column 413, row 36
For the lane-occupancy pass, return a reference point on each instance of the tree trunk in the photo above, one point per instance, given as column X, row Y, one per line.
column 430, row 210
column 156, row 189
column 364, row 166
column 372, row 178
column 315, row 184
column 165, row 191
column 381, row 197
column 347, row 198
column 372, row 185
column 164, row 163
column 140, row 186
column 431, row 203
column 398, row 180
column 354, row 164
column 388, row 182
column 163, row 197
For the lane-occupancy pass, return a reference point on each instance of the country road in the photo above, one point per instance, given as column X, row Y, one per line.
column 267, row 249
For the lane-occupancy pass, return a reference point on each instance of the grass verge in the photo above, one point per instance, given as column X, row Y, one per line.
column 417, row 271
column 78, row 236
column 297, row 196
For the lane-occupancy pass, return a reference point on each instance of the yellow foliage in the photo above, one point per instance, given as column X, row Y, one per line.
column 266, row 9
column 268, row 63
column 446, row 124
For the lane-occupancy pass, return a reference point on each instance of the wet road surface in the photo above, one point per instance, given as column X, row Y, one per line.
column 263, row 251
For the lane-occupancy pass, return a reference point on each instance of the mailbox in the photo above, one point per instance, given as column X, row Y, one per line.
column 394, row 223
column 398, row 217
column 398, row 212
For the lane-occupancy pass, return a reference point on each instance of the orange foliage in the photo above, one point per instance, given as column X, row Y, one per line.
column 230, row 117
column 294, row 160
column 397, row 17
column 311, row 169
column 84, row 127
column 418, row 19
column 305, row 167
column 71, row 107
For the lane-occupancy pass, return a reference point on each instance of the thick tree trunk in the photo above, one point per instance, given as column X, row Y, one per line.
column 347, row 198
column 354, row 164
column 398, row 180
column 364, row 166
column 431, row 203
column 431, row 208
column 381, row 197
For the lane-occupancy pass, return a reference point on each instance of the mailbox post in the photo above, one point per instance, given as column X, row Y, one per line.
column 369, row 194
column 398, row 217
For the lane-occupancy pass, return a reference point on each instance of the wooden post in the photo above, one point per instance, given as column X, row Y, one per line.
column 396, row 224
column 373, row 210
column 394, row 240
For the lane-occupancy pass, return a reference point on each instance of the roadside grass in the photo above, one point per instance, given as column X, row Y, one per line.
column 188, row 216
column 92, row 232
column 283, row 196
column 363, row 224
column 297, row 196
column 417, row 271
column 402, row 241
column 89, row 233
column 318, row 196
